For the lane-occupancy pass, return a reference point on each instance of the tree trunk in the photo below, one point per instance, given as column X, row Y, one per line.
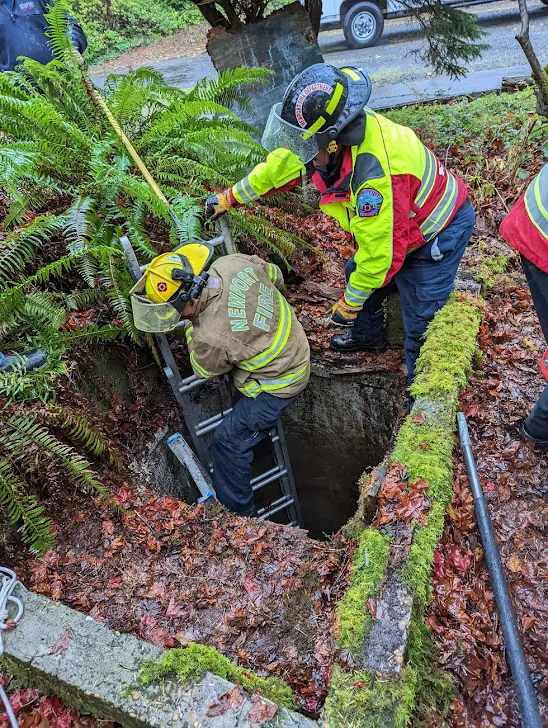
column 314, row 10
column 284, row 42
column 211, row 14
column 540, row 75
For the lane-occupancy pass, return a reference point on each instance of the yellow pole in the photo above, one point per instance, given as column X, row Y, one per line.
column 99, row 100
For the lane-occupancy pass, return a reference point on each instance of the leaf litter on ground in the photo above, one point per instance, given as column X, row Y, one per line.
column 514, row 477
column 263, row 594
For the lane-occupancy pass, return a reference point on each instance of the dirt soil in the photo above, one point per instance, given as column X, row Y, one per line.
column 262, row 594
column 189, row 41
column 514, row 477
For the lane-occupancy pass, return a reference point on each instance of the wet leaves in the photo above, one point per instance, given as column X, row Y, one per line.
column 263, row 595
column 227, row 701
column 463, row 615
column 33, row 710
column 62, row 643
column 401, row 501
column 261, row 711
column 249, row 584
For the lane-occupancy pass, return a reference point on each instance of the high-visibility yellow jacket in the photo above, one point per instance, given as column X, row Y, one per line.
column 392, row 196
column 526, row 225
column 244, row 324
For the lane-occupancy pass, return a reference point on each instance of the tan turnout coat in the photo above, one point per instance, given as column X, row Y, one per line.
column 243, row 323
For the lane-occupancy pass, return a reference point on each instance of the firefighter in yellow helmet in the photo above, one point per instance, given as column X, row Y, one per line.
column 236, row 319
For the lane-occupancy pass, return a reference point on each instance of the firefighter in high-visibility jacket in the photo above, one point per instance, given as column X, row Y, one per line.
column 409, row 216
column 525, row 228
column 236, row 320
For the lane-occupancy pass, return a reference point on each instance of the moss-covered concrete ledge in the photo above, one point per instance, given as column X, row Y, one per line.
column 389, row 673
column 96, row 670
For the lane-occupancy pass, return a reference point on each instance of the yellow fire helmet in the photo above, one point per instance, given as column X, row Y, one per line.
column 171, row 279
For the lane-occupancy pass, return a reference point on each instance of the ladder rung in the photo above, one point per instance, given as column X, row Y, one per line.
column 278, row 505
column 190, row 383
column 265, row 478
column 211, row 423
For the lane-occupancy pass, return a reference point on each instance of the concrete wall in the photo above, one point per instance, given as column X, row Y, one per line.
column 97, row 670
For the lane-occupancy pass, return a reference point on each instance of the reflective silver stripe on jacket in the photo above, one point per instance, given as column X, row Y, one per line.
column 428, row 179
column 243, row 188
column 439, row 217
column 536, row 201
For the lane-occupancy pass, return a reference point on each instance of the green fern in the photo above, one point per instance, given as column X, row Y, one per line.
column 72, row 191
column 24, row 511
column 19, row 434
column 77, row 427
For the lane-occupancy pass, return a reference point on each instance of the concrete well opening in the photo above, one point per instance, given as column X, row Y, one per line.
column 337, row 428
column 340, row 426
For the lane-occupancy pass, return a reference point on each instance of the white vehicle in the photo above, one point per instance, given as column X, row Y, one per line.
column 363, row 20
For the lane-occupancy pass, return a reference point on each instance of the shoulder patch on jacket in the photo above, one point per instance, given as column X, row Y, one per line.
column 366, row 167
column 369, row 202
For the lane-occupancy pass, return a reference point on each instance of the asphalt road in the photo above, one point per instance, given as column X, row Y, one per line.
column 393, row 59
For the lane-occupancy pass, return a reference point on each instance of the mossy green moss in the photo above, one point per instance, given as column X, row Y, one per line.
column 490, row 269
column 442, row 371
column 191, row 663
column 367, row 571
column 363, row 700
column 446, row 355
column 360, row 700
column 434, row 688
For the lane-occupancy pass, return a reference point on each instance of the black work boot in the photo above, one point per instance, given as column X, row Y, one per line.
column 29, row 361
column 539, row 442
column 344, row 342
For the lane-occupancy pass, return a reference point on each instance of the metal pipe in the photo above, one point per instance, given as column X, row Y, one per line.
column 514, row 649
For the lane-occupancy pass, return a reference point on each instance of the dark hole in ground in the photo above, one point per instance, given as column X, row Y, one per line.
column 337, row 428
column 341, row 425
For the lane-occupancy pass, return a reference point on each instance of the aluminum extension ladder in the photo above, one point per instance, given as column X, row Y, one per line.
column 182, row 387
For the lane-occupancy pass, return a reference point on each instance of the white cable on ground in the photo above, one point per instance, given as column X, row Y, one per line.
column 7, row 585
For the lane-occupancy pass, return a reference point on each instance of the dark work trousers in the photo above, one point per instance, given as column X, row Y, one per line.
column 232, row 448
column 537, row 422
column 424, row 282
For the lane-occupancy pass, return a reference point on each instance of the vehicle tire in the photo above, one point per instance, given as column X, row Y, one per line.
column 363, row 25
column 544, row 1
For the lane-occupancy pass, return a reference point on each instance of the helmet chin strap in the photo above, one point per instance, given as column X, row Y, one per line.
column 192, row 294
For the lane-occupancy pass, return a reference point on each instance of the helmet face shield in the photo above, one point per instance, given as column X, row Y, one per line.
column 170, row 280
column 151, row 317
column 154, row 318
column 279, row 134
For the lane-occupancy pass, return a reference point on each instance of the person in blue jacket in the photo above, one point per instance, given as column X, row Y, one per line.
column 23, row 29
